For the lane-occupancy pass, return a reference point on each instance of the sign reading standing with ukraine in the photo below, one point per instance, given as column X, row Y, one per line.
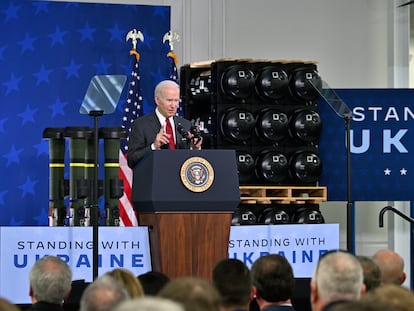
column 382, row 132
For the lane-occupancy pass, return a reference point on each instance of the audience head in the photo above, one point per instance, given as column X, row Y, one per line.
column 149, row 304
column 195, row 294
column 398, row 297
column 391, row 265
column 128, row 280
column 232, row 279
column 6, row 305
column 50, row 280
column 338, row 276
column 273, row 280
column 371, row 272
column 103, row 294
column 152, row 282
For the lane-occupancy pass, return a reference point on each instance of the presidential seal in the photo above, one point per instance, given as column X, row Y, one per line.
column 197, row 174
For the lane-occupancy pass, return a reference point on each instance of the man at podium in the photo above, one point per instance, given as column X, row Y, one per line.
column 162, row 128
column 186, row 197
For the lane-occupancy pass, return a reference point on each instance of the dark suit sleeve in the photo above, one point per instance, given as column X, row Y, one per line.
column 142, row 135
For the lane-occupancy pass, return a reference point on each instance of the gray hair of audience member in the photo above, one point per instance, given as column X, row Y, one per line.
column 103, row 294
column 152, row 303
column 398, row 297
column 338, row 276
column 371, row 271
column 50, row 279
column 194, row 293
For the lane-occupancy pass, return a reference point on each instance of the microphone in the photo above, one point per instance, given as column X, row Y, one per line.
column 196, row 132
column 182, row 131
column 197, row 135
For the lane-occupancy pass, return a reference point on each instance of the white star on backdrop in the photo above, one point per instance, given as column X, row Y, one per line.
column 403, row 171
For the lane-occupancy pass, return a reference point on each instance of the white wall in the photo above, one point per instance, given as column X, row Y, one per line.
column 357, row 43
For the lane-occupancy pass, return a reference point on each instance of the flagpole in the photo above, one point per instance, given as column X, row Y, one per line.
column 172, row 37
column 132, row 110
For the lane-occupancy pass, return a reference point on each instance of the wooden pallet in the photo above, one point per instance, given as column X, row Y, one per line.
column 282, row 194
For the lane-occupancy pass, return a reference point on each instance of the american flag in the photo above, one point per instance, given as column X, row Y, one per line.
column 173, row 74
column 133, row 109
column 173, row 62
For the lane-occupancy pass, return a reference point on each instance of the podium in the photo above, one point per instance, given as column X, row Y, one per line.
column 187, row 198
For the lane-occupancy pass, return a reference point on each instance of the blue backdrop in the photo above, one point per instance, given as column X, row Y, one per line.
column 49, row 51
column 382, row 137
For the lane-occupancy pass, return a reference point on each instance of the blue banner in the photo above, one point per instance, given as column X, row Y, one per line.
column 382, row 137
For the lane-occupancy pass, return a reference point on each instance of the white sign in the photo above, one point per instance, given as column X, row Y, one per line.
column 128, row 247
column 20, row 247
column 301, row 244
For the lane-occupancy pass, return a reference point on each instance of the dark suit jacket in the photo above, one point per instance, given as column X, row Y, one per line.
column 44, row 306
column 143, row 132
column 278, row 308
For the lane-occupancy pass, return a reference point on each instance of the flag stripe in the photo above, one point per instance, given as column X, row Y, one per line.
column 132, row 110
column 173, row 74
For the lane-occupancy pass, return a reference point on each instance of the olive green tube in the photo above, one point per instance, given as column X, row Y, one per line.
column 57, row 209
column 112, row 184
column 79, row 188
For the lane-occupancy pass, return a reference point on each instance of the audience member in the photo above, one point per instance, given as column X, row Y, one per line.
column 50, row 283
column 360, row 305
column 338, row 277
column 103, row 294
column 391, row 265
column 128, row 280
column 72, row 302
column 371, row 272
column 152, row 282
column 400, row 298
column 149, row 304
column 6, row 305
column 273, row 283
column 232, row 279
column 195, row 294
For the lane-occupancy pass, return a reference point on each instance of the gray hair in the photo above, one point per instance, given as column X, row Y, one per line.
column 103, row 294
column 165, row 84
column 149, row 304
column 338, row 276
column 50, row 279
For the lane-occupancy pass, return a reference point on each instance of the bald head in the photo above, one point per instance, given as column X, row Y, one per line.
column 391, row 265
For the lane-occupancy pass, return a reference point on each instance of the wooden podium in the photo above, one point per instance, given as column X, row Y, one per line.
column 187, row 198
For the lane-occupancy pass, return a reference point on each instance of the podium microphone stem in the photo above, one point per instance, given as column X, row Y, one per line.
column 350, row 210
column 94, row 205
